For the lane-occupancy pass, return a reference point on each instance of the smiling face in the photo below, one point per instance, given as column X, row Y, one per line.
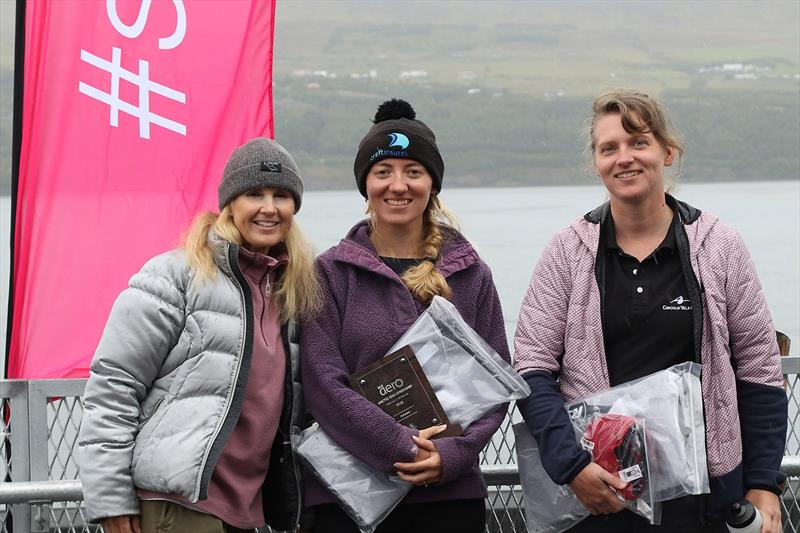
column 631, row 165
column 398, row 191
column 263, row 217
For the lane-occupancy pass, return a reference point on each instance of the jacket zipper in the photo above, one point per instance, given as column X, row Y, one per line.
column 696, row 291
column 288, row 335
column 232, row 391
column 600, row 279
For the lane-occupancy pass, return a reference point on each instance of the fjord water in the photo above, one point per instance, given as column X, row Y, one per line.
column 510, row 226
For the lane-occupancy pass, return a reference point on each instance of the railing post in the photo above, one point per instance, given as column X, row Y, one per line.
column 40, row 393
column 37, row 409
column 15, row 424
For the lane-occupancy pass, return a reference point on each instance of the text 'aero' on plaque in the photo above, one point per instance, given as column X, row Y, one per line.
column 397, row 384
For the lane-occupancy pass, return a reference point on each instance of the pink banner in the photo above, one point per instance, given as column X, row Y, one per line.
column 130, row 110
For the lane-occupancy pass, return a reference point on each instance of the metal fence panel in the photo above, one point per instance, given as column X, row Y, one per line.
column 58, row 403
column 48, row 451
column 791, row 370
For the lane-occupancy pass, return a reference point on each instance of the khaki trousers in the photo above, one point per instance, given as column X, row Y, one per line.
column 160, row 516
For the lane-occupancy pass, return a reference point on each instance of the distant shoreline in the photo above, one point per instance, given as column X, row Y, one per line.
column 589, row 182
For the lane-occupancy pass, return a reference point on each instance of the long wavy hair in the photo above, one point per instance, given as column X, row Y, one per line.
column 424, row 280
column 297, row 292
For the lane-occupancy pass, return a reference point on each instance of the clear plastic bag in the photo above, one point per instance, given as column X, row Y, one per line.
column 549, row 508
column 469, row 378
column 669, row 405
column 467, row 375
column 671, row 402
column 365, row 494
column 617, row 443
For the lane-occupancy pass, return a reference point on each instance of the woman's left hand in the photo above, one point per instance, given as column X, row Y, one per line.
column 769, row 506
column 425, row 472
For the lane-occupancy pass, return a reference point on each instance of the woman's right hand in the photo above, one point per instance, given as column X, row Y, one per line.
column 129, row 523
column 593, row 485
column 427, row 434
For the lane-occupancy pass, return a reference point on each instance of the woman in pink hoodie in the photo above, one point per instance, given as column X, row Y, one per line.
column 635, row 286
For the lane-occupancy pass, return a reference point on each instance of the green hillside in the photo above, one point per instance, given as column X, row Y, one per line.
column 507, row 85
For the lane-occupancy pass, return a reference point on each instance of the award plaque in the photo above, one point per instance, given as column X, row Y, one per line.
column 397, row 384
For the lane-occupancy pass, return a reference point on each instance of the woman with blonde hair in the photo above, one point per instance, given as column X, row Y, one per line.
column 637, row 285
column 194, row 388
column 376, row 282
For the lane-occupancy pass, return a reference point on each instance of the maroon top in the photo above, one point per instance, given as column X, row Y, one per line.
column 234, row 494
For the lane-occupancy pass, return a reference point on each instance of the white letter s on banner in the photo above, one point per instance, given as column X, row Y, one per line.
column 132, row 32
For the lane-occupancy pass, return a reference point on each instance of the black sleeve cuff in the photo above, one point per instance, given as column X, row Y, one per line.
column 770, row 480
column 763, row 412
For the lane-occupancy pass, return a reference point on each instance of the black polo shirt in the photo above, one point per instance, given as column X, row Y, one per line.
column 647, row 315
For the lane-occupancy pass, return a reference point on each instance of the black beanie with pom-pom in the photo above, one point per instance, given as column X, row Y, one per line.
column 397, row 134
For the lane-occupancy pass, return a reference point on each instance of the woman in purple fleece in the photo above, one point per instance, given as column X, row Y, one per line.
column 377, row 281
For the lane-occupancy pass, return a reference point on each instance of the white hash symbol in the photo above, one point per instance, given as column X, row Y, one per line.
column 142, row 81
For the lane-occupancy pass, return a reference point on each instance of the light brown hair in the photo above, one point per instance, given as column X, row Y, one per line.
column 424, row 280
column 639, row 114
column 297, row 291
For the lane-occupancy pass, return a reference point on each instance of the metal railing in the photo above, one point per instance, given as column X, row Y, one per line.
column 40, row 490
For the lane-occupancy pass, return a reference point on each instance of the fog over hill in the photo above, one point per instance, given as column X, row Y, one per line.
column 507, row 85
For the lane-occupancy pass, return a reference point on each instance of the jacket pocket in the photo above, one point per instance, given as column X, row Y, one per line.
column 151, row 415
column 146, row 429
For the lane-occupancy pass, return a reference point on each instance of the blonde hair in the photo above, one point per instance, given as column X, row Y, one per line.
column 639, row 113
column 424, row 280
column 297, row 292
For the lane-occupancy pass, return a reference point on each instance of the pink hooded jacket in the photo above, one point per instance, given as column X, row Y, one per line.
column 560, row 334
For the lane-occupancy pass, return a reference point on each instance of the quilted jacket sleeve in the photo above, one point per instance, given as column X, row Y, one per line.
column 144, row 324
column 538, row 348
column 761, row 398
column 459, row 454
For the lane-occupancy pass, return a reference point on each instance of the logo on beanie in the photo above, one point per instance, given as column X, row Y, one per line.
column 397, row 147
column 271, row 166
column 398, row 140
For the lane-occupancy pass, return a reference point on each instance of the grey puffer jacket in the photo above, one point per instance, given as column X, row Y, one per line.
column 166, row 389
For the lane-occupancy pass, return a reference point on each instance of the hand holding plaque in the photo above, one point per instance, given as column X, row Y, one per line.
column 397, row 384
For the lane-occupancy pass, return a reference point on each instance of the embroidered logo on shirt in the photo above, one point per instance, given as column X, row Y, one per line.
column 678, row 304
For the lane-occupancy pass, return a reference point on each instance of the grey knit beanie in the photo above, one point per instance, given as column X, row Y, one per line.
column 260, row 163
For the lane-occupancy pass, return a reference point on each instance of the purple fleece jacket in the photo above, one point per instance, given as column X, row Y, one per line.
column 366, row 309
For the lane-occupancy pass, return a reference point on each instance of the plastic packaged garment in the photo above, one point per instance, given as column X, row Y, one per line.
column 618, row 443
column 365, row 494
column 469, row 378
column 467, row 375
column 658, row 418
column 671, row 402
